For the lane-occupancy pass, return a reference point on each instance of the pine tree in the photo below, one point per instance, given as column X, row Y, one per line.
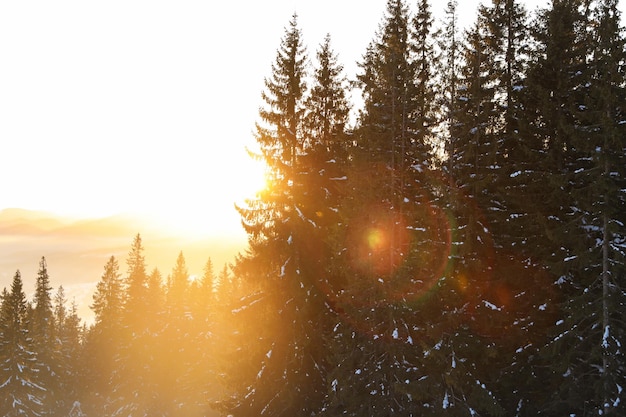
column 21, row 393
column 201, row 376
column 590, row 225
column 102, row 344
column 384, row 136
column 134, row 392
column 447, row 67
column 160, row 386
column 136, row 283
column 286, row 372
column 327, row 108
column 507, row 44
column 108, row 300
column 68, row 346
column 178, row 288
column 487, row 266
column 607, row 178
column 424, row 95
column 44, row 335
column 393, row 244
column 177, row 349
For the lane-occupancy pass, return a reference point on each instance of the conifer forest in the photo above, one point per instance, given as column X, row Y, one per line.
column 454, row 245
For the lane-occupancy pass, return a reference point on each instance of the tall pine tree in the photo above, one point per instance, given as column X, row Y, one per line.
column 21, row 393
column 287, row 374
column 44, row 336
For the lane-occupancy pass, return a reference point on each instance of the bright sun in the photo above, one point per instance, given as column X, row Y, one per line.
column 209, row 208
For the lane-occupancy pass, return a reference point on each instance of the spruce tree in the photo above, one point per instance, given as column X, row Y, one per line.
column 68, row 346
column 103, row 343
column 447, row 66
column 605, row 221
column 21, row 393
column 132, row 390
column 424, row 95
column 590, row 225
column 136, row 283
column 327, row 108
column 385, row 136
column 287, row 374
column 488, row 268
column 176, row 338
column 44, row 336
column 393, row 244
column 178, row 288
column 108, row 300
column 201, row 379
column 138, row 390
column 323, row 174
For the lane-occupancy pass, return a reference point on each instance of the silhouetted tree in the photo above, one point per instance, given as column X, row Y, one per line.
column 21, row 392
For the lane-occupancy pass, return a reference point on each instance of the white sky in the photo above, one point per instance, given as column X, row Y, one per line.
column 147, row 106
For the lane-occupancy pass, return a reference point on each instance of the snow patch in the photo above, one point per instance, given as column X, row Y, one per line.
column 491, row 305
column 282, row 268
column 605, row 338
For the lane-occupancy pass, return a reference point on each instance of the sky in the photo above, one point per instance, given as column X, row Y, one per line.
column 147, row 107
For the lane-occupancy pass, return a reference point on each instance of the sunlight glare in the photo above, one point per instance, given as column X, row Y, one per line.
column 210, row 210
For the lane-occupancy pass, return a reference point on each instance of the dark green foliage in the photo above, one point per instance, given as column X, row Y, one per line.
column 21, row 391
column 44, row 335
column 587, row 219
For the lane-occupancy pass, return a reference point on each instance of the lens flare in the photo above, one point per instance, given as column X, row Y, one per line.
column 375, row 239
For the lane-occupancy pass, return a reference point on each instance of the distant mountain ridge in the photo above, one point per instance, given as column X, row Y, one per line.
column 14, row 220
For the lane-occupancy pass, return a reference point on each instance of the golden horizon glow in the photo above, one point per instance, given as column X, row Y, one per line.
column 198, row 209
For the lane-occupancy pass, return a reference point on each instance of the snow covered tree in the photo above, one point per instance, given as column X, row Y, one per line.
column 132, row 388
column 388, row 121
column 588, row 228
column 447, row 66
column 200, row 381
column 68, row 347
column 102, row 344
column 605, row 217
column 285, row 374
column 44, row 335
column 21, row 393
column 423, row 56
column 108, row 300
column 175, row 358
column 178, row 287
column 136, row 283
column 393, row 248
column 327, row 108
